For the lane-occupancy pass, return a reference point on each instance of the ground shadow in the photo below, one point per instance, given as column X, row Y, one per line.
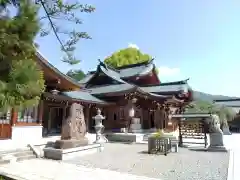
column 152, row 154
column 121, row 142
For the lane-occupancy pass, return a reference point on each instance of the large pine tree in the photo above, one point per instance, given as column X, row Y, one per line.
column 21, row 82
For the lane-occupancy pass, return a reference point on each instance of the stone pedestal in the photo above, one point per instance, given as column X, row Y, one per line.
column 66, row 144
column 216, row 142
column 136, row 126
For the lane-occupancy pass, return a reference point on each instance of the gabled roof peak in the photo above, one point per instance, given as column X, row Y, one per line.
column 106, row 66
column 145, row 63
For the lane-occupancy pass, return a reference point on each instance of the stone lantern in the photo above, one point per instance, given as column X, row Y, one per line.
column 135, row 125
column 100, row 138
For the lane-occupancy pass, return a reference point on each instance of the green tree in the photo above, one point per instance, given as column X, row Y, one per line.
column 59, row 17
column 76, row 74
column 21, row 82
column 127, row 56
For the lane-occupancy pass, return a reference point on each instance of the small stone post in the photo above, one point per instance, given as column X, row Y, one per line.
column 100, row 138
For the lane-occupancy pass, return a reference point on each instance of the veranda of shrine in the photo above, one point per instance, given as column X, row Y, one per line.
column 111, row 90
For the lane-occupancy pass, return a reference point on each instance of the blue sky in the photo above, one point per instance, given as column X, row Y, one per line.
column 199, row 39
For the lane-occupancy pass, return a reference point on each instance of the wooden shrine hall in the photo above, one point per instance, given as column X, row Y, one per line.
column 112, row 90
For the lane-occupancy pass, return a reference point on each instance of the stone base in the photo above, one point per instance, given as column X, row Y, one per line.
column 217, row 149
column 136, row 128
column 64, row 154
column 124, row 137
column 216, row 139
column 72, row 143
column 102, row 139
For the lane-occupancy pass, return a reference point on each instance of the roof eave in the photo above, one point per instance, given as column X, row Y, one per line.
column 49, row 65
column 70, row 99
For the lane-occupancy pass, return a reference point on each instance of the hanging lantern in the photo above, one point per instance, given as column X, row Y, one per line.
column 54, row 91
column 169, row 123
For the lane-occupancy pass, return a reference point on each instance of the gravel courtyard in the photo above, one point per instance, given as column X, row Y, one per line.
column 184, row 165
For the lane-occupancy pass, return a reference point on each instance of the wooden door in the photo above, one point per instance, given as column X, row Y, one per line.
column 5, row 126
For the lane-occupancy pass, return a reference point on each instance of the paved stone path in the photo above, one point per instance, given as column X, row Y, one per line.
column 133, row 159
column 39, row 169
column 232, row 142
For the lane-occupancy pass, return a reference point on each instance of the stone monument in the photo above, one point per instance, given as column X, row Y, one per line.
column 215, row 134
column 73, row 129
column 100, row 138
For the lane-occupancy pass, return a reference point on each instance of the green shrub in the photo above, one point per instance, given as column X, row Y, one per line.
column 158, row 134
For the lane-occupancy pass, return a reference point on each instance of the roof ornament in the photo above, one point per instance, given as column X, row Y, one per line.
column 102, row 64
column 151, row 61
column 186, row 80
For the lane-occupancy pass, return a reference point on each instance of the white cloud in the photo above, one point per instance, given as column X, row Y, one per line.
column 166, row 71
column 133, row 46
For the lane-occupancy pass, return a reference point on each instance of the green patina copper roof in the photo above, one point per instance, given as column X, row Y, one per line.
column 167, row 88
column 122, row 72
column 83, row 96
column 111, row 73
column 111, row 88
column 136, row 71
column 123, row 88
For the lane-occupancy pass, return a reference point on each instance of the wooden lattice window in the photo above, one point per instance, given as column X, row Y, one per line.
column 121, row 113
column 5, row 117
column 28, row 115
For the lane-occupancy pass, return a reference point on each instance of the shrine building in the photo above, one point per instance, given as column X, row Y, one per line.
column 112, row 90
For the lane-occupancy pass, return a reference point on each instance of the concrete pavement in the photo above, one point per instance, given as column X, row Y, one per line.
column 41, row 169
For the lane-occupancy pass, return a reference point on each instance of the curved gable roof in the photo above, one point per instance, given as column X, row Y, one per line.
column 127, row 71
column 44, row 63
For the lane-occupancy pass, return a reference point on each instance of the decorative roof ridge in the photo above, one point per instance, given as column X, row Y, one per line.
column 106, row 66
column 47, row 63
column 119, row 79
column 91, row 72
column 168, row 83
column 145, row 63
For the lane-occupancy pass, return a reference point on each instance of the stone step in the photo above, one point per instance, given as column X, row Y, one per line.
column 2, row 162
column 16, row 155
column 23, row 153
column 26, row 157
